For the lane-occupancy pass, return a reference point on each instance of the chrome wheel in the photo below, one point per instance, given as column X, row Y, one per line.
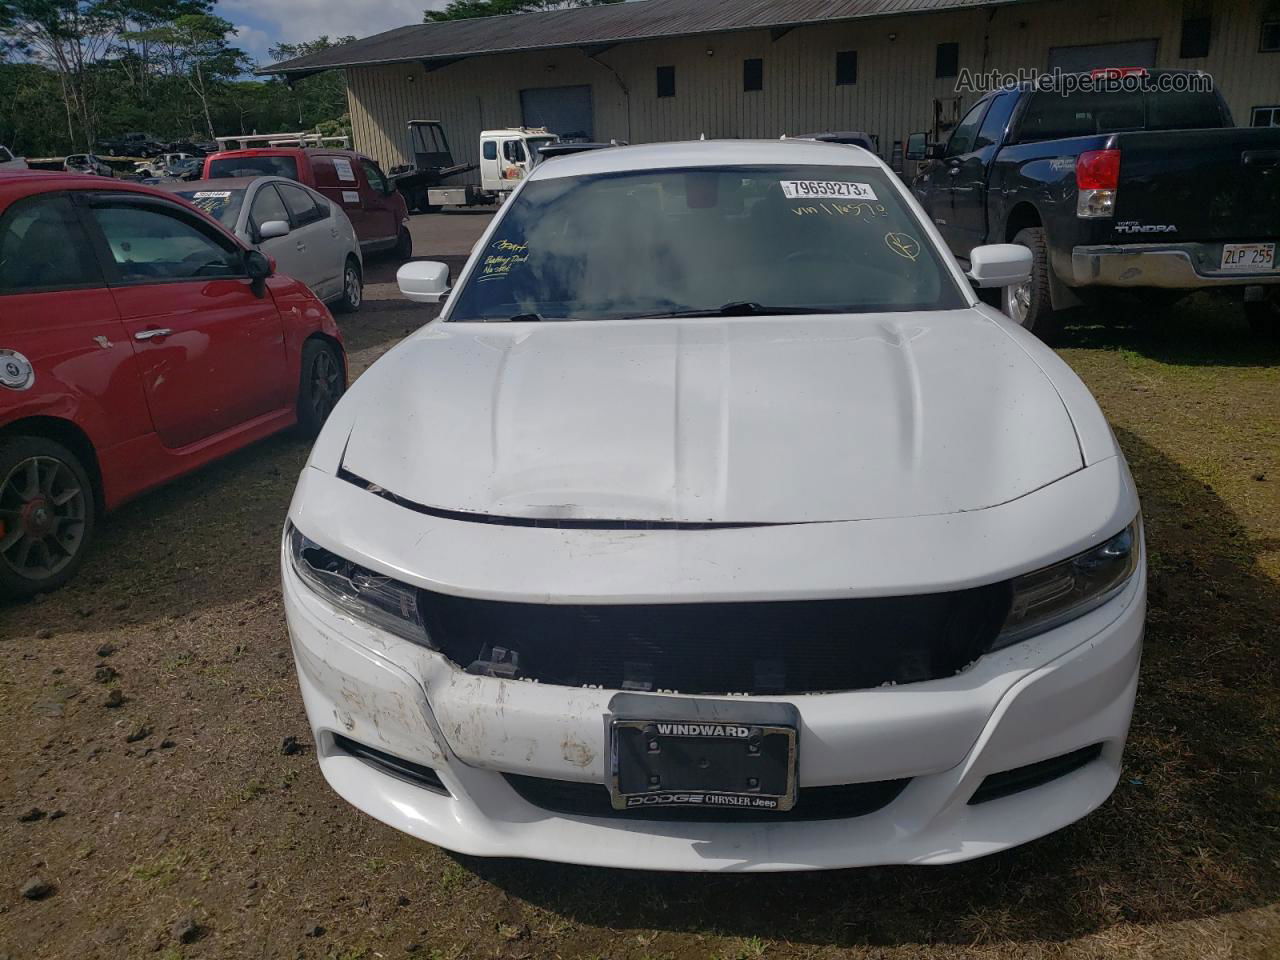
column 352, row 290
column 43, row 512
column 326, row 384
column 1017, row 302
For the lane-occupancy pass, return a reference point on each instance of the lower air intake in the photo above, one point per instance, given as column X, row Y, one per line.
column 574, row 799
column 1008, row 782
column 398, row 767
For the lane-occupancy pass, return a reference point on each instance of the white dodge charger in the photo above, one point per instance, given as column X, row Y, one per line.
column 716, row 524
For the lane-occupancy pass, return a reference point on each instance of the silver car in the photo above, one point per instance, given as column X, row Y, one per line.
column 87, row 163
column 310, row 238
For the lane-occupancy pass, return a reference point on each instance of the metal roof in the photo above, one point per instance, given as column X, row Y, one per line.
column 600, row 25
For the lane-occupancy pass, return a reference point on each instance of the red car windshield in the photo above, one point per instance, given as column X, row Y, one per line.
column 253, row 167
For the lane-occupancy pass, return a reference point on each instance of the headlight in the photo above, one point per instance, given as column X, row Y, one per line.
column 356, row 590
column 1050, row 597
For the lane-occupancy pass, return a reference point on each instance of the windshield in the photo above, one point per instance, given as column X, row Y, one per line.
column 1052, row 116
column 253, row 167
column 725, row 241
column 222, row 205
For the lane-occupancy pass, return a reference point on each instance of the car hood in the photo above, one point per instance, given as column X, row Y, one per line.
column 747, row 420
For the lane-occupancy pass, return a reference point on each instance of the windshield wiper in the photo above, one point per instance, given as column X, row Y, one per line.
column 534, row 318
column 736, row 308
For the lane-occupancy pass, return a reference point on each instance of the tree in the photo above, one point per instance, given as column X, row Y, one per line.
column 319, row 97
column 470, row 9
column 32, row 116
column 68, row 36
column 194, row 47
column 134, row 19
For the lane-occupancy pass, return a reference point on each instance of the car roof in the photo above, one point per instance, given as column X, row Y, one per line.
column 705, row 153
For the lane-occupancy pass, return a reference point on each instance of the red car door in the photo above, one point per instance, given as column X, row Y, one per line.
column 57, row 314
column 338, row 178
column 380, row 210
column 209, row 341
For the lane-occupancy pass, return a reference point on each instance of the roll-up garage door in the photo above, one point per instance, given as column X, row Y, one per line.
column 562, row 110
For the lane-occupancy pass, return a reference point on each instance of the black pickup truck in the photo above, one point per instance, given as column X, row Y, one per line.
column 131, row 145
column 1151, row 189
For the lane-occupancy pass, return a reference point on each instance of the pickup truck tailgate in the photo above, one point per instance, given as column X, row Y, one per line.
column 1208, row 184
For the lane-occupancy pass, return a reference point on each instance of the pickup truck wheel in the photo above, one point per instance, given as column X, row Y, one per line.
column 1029, row 304
column 47, row 511
column 1264, row 316
column 352, row 288
column 324, row 381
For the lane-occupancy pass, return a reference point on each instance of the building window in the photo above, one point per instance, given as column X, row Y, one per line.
column 753, row 74
column 666, row 81
column 1270, row 36
column 947, row 62
column 1195, row 38
column 846, row 68
column 1266, row 117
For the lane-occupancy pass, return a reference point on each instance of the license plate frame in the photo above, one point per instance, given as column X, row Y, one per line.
column 1248, row 258
column 711, row 754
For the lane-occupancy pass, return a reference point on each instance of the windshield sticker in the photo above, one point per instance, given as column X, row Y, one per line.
column 859, row 211
column 505, row 255
column 351, row 196
column 212, row 195
column 343, row 166
column 904, row 245
column 826, row 190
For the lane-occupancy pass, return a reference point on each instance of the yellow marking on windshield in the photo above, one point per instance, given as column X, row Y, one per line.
column 508, row 254
column 903, row 245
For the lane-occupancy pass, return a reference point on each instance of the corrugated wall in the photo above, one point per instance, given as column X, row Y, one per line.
column 894, row 94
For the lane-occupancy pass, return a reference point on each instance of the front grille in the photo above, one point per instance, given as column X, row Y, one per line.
column 574, row 799
column 785, row 647
column 1008, row 782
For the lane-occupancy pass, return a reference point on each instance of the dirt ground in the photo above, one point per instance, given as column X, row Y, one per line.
column 149, row 709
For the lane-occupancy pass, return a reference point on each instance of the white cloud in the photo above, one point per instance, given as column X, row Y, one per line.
column 294, row 20
column 253, row 42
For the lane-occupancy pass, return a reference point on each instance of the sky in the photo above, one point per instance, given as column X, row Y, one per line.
column 264, row 22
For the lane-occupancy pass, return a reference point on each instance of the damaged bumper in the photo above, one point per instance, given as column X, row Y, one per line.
column 496, row 767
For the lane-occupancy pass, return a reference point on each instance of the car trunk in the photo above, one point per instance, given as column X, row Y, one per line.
column 1208, row 185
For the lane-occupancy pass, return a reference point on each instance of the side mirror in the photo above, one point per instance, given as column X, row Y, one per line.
column 999, row 265
column 273, row 229
column 258, row 266
column 424, row 281
column 917, row 146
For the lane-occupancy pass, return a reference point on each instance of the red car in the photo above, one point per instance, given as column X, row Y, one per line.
column 351, row 180
column 138, row 341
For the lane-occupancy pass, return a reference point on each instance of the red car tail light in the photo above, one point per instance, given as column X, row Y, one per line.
column 1097, row 180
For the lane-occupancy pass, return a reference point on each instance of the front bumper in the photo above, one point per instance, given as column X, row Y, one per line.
column 1171, row 266
column 1070, row 688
